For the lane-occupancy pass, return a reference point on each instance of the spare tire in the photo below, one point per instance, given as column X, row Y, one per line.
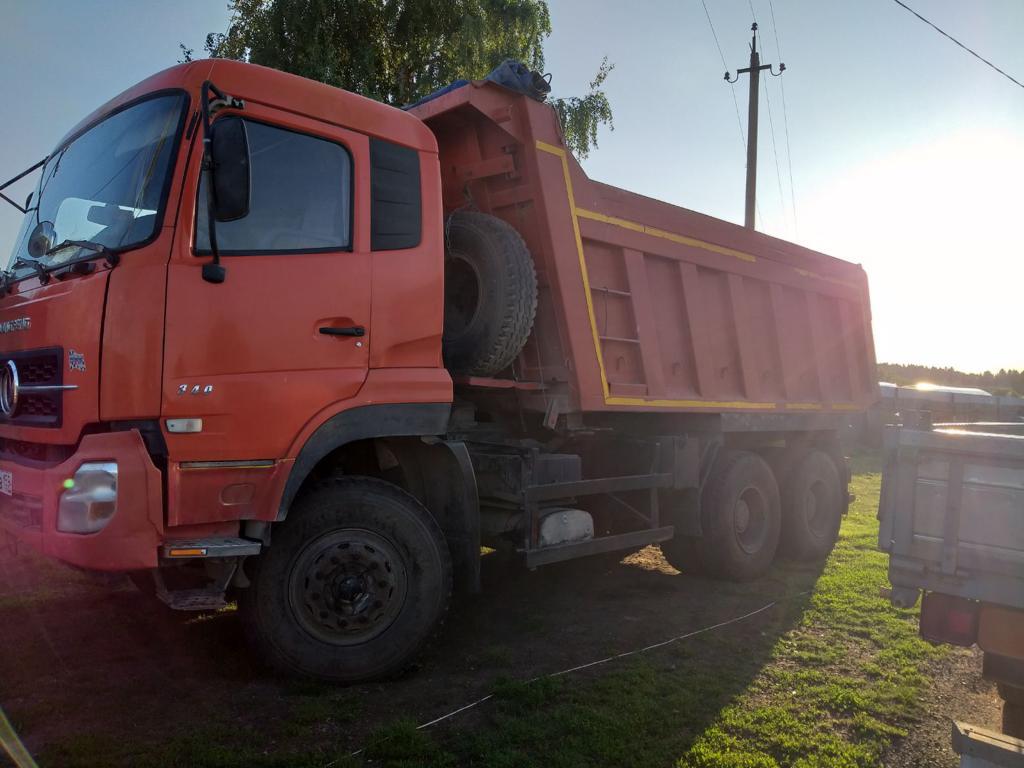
column 490, row 294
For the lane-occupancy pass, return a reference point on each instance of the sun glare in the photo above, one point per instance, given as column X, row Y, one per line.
column 936, row 226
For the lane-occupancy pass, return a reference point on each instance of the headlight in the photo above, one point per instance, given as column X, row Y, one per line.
column 89, row 499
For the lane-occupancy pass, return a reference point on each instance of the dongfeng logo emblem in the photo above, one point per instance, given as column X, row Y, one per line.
column 18, row 324
column 9, row 387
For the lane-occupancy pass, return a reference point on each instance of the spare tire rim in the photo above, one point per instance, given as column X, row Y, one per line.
column 750, row 520
column 462, row 294
column 347, row 586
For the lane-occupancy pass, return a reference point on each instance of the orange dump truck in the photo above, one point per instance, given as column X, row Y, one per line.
column 263, row 338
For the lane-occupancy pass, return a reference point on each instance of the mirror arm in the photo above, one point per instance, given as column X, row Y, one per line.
column 213, row 271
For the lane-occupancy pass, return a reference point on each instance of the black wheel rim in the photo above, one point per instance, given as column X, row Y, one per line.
column 750, row 520
column 462, row 294
column 816, row 509
column 347, row 586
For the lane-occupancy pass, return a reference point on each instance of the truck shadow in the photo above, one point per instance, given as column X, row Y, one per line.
column 81, row 658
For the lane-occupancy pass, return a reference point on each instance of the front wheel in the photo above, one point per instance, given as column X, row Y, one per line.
column 354, row 584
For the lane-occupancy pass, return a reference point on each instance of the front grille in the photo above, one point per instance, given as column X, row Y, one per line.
column 38, row 368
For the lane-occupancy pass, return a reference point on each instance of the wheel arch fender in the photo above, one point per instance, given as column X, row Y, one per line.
column 440, row 474
column 361, row 423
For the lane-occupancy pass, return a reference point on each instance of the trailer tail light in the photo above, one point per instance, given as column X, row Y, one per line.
column 947, row 619
column 89, row 499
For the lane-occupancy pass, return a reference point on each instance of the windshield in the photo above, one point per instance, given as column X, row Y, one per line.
column 106, row 186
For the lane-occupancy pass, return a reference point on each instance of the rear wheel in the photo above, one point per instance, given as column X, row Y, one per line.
column 353, row 585
column 740, row 519
column 812, row 508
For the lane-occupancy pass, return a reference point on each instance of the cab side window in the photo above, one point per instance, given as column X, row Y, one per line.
column 300, row 199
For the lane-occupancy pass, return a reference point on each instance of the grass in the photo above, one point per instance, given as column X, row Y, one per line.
column 829, row 677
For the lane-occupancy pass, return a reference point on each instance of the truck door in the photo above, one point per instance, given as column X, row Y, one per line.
column 286, row 334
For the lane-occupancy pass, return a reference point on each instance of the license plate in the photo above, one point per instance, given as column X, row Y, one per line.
column 6, row 482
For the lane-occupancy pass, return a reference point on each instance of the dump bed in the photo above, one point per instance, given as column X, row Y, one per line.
column 645, row 305
column 952, row 514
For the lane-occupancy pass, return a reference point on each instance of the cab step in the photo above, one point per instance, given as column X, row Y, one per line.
column 219, row 546
column 193, row 599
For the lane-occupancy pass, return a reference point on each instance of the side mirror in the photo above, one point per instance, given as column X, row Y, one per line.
column 229, row 155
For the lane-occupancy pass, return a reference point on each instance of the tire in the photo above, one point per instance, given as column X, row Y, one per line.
column 812, row 508
column 490, row 294
column 741, row 519
column 360, row 626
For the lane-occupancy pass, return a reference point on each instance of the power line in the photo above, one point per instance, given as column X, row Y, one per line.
column 775, row 151
column 785, row 121
column 735, row 103
column 946, row 34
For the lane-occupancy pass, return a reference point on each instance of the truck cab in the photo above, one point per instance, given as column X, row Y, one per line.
column 144, row 403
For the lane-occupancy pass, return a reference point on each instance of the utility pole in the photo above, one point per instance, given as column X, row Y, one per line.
column 755, row 77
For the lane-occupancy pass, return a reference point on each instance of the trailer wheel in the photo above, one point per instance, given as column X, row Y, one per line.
column 354, row 584
column 812, row 508
column 490, row 294
column 741, row 518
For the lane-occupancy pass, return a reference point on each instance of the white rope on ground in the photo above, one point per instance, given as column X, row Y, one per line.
column 615, row 657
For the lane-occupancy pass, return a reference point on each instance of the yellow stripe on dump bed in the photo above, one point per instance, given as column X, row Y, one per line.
column 654, row 232
column 577, row 214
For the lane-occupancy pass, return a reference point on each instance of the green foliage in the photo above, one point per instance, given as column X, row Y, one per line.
column 580, row 117
column 398, row 52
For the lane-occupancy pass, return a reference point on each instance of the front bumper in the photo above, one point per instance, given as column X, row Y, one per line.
column 128, row 542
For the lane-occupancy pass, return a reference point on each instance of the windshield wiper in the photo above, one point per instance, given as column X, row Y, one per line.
column 112, row 257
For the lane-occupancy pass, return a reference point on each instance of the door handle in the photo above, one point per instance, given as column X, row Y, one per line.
column 352, row 330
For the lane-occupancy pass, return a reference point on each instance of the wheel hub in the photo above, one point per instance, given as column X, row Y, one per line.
column 742, row 516
column 749, row 521
column 815, row 509
column 347, row 586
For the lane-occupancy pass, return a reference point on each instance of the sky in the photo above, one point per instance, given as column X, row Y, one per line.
column 906, row 152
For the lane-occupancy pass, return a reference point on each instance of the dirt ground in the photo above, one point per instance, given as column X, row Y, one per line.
column 85, row 658
column 957, row 692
